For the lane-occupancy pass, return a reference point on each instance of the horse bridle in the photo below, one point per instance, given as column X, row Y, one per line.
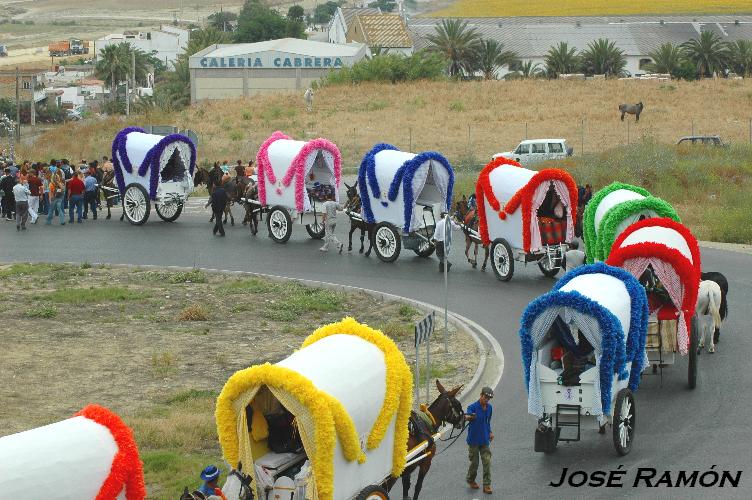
column 456, row 411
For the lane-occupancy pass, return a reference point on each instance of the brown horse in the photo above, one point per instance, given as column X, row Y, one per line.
column 235, row 188
column 444, row 409
column 252, row 210
column 470, row 220
column 632, row 109
column 352, row 207
column 109, row 190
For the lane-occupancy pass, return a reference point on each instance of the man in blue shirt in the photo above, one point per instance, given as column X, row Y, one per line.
column 479, row 437
column 90, row 195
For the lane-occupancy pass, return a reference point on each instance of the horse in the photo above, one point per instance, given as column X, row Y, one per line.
column 308, row 98
column 708, row 304
column 238, row 485
column 632, row 109
column 109, row 190
column 471, row 221
column 201, row 176
column 353, row 205
column 251, row 210
column 235, row 189
column 444, row 409
column 723, row 283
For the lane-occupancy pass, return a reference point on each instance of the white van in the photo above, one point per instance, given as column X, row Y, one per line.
column 534, row 151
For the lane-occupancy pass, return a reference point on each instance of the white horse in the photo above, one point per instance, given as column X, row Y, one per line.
column 708, row 304
column 308, row 98
column 237, row 486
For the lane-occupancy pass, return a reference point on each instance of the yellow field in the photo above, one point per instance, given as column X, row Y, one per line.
column 510, row 8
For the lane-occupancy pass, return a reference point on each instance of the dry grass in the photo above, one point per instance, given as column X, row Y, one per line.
column 510, row 8
column 194, row 312
column 422, row 116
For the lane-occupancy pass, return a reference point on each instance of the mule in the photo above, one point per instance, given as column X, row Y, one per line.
column 235, row 189
column 353, row 206
column 251, row 211
column 471, row 221
column 708, row 304
column 632, row 109
column 723, row 283
column 444, row 409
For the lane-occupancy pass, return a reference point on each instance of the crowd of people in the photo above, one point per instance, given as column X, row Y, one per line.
column 30, row 190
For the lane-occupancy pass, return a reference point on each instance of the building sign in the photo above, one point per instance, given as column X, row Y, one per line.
column 277, row 62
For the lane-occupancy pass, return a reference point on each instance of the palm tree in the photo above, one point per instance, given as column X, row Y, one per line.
column 602, row 57
column 112, row 66
column 561, row 59
column 666, row 59
column 458, row 44
column 529, row 69
column 740, row 55
column 491, row 55
column 200, row 39
column 708, row 53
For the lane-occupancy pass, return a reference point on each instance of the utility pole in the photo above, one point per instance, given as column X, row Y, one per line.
column 18, row 105
column 33, row 101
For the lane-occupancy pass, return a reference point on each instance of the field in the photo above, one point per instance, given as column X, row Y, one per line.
column 156, row 347
column 512, row 8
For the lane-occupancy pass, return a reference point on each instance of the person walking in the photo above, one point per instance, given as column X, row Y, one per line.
column 218, row 202
column 67, row 175
column 76, row 189
column 7, row 181
column 90, row 195
column 57, row 194
column 45, row 200
column 479, row 437
column 21, row 194
column 438, row 240
column 330, row 222
column 35, row 186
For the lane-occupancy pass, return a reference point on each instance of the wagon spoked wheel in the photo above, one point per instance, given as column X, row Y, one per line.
column 373, row 492
column 502, row 261
column 425, row 249
column 694, row 340
column 136, row 204
column 169, row 212
column 279, row 224
column 316, row 230
column 549, row 270
column 625, row 417
column 387, row 243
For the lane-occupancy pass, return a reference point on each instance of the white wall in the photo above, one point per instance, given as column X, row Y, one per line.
column 337, row 32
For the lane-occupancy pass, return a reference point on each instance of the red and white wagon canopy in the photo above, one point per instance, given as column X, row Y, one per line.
column 672, row 251
column 514, row 194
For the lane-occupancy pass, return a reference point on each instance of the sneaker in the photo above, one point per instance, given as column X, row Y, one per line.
column 487, row 489
column 473, row 485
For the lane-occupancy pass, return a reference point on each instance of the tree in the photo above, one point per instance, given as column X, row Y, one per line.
column 740, row 57
column 324, row 12
column 114, row 65
column 602, row 57
column 384, row 5
column 491, row 55
column 221, row 20
column 666, row 59
column 561, row 59
column 458, row 44
column 200, row 39
column 257, row 23
column 708, row 53
column 528, row 69
column 296, row 13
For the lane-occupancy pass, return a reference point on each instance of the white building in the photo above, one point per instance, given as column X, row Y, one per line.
column 166, row 44
column 245, row 69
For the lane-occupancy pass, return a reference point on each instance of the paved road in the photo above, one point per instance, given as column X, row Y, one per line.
column 677, row 429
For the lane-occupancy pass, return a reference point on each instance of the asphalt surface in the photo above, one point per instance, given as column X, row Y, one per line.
column 677, row 429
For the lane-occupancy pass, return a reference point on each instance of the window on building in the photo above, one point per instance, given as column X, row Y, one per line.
column 645, row 62
column 26, row 84
column 515, row 66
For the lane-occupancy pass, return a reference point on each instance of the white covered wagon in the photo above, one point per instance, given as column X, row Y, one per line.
column 345, row 397
column 525, row 216
column 90, row 456
column 402, row 194
column 583, row 349
column 153, row 168
column 294, row 179
column 614, row 208
column 665, row 256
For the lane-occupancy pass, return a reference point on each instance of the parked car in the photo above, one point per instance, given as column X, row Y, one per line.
column 707, row 140
column 534, row 151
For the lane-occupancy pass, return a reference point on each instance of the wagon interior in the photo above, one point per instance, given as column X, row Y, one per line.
column 430, row 194
column 175, row 170
column 279, row 459
column 552, row 218
column 566, row 351
column 320, row 182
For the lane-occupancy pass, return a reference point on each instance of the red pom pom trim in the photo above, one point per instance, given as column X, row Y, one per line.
column 522, row 198
column 126, row 467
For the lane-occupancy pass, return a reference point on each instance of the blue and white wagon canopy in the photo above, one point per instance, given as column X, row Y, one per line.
column 609, row 307
column 391, row 182
column 149, row 159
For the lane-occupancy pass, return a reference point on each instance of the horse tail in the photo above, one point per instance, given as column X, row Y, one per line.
column 714, row 307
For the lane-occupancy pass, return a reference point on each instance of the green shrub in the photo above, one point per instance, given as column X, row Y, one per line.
column 43, row 311
column 392, row 68
column 94, row 295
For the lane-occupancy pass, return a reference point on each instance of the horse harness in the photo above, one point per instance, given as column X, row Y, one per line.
column 422, row 425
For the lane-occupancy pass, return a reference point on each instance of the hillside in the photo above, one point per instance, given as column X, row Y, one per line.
column 511, row 8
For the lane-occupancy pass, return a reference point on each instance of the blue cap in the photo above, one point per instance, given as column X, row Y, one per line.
column 210, row 473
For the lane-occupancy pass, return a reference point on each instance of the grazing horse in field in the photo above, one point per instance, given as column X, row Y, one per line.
column 470, row 219
column 353, row 206
column 632, row 109
column 444, row 409
column 723, row 283
column 708, row 304
column 308, row 98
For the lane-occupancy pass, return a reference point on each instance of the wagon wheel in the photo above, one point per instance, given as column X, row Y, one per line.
column 373, row 492
column 136, row 204
column 387, row 243
column 548, row 272
column 694, row 340
column 625, row 417
column 501, row 259
column 425, row 249
column 316, row 230
column 168, row 212
column 279, row 224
